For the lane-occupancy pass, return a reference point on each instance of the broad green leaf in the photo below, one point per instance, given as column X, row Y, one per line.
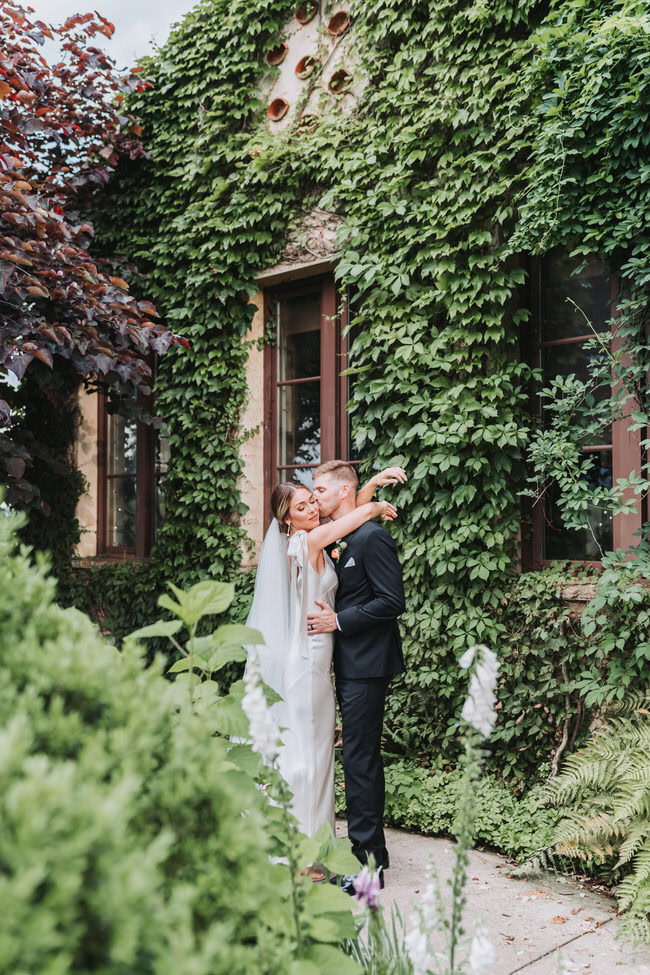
column 308, row 851
column 236, row 633
column 327, row 898
column 161, row 628
column 189, row 663
column 300, row 966
column 330, row 930
column 213, row 597
column 207, row 598
column 229, row 719
column 231, row 653
column 341, row 859
column 331, row 961
column 246, row 759
column 272, row 697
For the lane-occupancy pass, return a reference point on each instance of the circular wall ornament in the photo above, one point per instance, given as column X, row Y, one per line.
column 306, row 11
column 339, row 23
column 339, row 82
column 277, row 54
column 306, row 66
column 307, row 123
column 277, row 109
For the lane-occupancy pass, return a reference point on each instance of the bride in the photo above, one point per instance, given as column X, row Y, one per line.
column 294, row 571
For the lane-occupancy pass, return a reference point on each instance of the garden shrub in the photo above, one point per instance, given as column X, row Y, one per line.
column 443, row 196
column 130, row 841
column 426, row 800
column 605, row 786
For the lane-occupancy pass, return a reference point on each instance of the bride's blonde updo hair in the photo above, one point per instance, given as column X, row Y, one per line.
column 281, row 501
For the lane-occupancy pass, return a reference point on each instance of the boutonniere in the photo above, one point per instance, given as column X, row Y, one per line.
column 338, row 550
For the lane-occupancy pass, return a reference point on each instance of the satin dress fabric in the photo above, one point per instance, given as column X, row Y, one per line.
column 306, row 759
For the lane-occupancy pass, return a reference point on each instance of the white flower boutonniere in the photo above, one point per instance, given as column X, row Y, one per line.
column 338, row 550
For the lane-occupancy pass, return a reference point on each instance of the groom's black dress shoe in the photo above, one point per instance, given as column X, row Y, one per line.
column 347, row 883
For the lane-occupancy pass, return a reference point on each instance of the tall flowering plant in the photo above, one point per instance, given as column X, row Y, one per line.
column 439, row 943
column 316, row 918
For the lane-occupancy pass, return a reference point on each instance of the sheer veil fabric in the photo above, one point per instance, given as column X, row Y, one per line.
column 270, row 614
column 297, row 667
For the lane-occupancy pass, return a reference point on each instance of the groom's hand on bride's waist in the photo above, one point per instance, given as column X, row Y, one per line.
column 323, row 622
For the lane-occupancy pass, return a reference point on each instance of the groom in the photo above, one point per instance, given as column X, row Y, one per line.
column 367, row 653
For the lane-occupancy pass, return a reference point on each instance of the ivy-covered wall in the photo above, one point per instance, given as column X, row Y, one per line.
column 487, row 131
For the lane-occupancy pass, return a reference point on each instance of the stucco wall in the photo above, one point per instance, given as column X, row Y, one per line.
column 87, row 451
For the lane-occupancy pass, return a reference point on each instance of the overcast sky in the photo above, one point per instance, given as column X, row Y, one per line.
column 137, row 22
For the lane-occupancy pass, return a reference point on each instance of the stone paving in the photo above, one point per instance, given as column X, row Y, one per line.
column 527, row 920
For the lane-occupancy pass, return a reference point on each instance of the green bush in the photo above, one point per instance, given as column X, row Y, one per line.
column 124, row 847
column 607, row 827
column 427, row 800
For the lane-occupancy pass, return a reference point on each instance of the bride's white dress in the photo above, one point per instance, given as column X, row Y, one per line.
column 307, row 758
column 298, row 667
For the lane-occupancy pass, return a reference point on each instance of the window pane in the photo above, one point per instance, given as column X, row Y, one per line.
column 299, row 424
column 572, row 358
column 303, row 474
column 559, row 542
column 299, row 337
column 121, row 514
column 122, row 445
column 590, row 290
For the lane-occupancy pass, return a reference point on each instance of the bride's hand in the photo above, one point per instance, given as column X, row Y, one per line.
column 385, row 510
column 390, row 475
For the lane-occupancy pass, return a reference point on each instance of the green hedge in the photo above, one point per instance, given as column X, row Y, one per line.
column 461, row 158
column 123, row 843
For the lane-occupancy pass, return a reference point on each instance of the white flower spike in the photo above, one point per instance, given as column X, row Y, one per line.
column 481, row 953
column 264, row 732
column 479, row 708
column 418, row 951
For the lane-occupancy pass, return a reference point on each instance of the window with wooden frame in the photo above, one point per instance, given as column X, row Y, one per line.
column 132, row 462
column 306, row 422
column 562, row 299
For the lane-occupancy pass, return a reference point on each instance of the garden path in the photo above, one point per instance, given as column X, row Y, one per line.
column 526, row 920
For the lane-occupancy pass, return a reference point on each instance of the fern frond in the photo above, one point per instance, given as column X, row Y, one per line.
column 637, row 834
column 608, row 782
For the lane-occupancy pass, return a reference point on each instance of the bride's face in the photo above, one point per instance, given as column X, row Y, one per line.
column 304, row 513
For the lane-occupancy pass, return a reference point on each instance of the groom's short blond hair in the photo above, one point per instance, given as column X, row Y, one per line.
column 340, row 470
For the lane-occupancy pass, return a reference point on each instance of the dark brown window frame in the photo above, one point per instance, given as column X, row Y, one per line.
column 625, row 446
column 333, row 386
column 145, row 489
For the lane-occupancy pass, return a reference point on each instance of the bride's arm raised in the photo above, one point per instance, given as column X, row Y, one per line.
column 390, row 475
column 319, row 538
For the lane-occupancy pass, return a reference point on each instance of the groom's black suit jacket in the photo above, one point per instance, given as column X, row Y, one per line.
column 369, row 598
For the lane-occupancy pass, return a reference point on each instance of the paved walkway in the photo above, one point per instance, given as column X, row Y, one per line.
column 526, row 920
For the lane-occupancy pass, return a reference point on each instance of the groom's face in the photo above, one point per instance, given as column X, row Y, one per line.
column 330, row 492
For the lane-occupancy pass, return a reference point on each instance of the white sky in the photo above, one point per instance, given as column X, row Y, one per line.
column 138, row 23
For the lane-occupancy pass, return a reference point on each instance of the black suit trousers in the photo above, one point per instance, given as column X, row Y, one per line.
column 362, row 710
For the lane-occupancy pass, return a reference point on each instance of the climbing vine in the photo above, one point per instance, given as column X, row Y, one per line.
column 447, row 176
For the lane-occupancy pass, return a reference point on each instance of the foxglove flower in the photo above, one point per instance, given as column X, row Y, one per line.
column 367, row 887
column 263, row 730
column 479, row 707
column 418, row 951
column 481, row 953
